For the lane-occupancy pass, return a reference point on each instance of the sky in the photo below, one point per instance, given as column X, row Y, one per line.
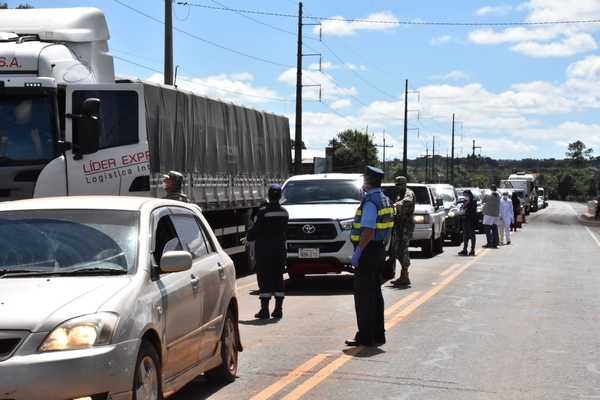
column 520, row 91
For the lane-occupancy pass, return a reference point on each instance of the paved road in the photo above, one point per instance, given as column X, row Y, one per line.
column 520, row 322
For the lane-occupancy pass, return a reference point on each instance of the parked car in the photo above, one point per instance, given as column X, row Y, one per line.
column 453, row 223
column 429, row 220
column 112, row 297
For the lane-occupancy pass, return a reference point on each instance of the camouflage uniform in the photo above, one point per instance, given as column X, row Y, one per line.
column 177, row 196
column 174, row 181
column 404, row 226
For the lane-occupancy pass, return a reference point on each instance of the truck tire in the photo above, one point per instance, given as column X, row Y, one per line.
column 428, row 247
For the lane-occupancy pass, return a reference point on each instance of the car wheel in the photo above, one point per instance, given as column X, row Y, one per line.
column 227, row 371
column 457, row 240
column 429, row 247
column 146, row 379
column 439, row 245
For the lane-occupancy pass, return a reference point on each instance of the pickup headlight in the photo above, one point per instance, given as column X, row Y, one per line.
column 452, row 214
column 421, row 219
column 346, row 224
column 81, row 333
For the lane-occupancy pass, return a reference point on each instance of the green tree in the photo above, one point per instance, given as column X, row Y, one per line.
column 565, row 185
column 4, row 6
column 293, row 144
column 579, row 153
column 354, row 150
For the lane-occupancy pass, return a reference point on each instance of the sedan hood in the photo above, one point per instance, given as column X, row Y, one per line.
column 321, row 211
column 40, row 304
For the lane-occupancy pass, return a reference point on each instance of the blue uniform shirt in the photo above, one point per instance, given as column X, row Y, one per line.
column 369, row 212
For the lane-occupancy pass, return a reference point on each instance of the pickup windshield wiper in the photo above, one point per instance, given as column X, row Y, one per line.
column 65, row 272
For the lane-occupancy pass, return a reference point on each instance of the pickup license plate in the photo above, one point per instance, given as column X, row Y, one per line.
column 308, row 253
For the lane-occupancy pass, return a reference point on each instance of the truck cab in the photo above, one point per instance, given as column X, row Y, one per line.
column 429, row 220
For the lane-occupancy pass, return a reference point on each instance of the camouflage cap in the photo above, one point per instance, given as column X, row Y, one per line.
column 401, row 180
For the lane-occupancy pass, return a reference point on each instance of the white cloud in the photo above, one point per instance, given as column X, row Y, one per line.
column 330, row 89
column 326, row 66
column 439, row 40
column 500, row 10
column 551, row 40
column 355, row 67
column 340, row 104
column 236, row 88
column 568, row 46
column 455, row 75
column 566, row 132
column 337, row 26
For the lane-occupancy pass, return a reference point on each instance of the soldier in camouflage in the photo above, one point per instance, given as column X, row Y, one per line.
column 404, row 226
column 173, row 182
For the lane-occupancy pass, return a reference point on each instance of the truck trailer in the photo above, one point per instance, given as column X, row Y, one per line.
column 68, row 127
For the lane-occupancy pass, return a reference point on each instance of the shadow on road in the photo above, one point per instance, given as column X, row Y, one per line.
column 199, row 389
column 365, row 352
column 320, row 286
column 259, row 322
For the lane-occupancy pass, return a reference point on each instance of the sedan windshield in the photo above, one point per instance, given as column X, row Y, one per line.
column 68, row 241
column 27, row 132
column 322, row 192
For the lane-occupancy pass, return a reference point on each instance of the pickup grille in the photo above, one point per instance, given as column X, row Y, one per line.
column 311, row 231
column 330, row 247
column 9, row 341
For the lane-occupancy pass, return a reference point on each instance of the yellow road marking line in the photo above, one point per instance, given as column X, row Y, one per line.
column 593, row 235
column 322, row 374
column 402, row 302
column 449, row 269
column 330, row 368
column 289, row 378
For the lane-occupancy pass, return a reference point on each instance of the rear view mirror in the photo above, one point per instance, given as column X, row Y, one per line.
column 86, row 135
column 175, row 261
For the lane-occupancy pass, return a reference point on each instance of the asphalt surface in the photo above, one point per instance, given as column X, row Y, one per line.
column 519, row 322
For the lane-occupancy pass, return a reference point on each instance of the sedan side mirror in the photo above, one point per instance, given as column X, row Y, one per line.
column 439, row 202
column 175, row 261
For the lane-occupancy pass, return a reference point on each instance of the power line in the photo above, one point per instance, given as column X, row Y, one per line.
column 206, row 41
column 152, row 69
column 394, row 21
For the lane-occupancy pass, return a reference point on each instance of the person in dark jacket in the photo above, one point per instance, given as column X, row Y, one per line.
column 268, row 233
column 469, row 223
column 598, row 208
column 516, row 203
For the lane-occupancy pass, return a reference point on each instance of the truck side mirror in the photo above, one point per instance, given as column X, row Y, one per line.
column 439, row 202
column 87, row 128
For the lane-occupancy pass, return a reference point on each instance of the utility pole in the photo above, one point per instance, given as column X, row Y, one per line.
column 298, row 134
column 384, row 146
column 447, row 168
column 452, row 153
column 433, row 172
column 426, row 163
column 475, row 147
column 168, row 70
column 405, row 149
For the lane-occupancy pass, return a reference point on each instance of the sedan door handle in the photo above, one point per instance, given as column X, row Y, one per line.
column 221, row 270
column 195, row 281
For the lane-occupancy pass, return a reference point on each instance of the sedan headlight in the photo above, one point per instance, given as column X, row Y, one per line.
column 346, row 224
column 81, row 333
column 421, row 219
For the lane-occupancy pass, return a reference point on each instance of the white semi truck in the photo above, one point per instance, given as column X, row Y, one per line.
column 525, row 184
column 69, row 127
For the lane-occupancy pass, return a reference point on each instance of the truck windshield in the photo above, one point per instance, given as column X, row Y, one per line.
column 447, row 194
column 422, row 194
column 68, row 241
column 27, row 129
column 322, row 192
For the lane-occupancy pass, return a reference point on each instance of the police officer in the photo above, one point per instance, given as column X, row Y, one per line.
column 268, row 233
column 173, row 182
column 370, row 234
column 404, row 227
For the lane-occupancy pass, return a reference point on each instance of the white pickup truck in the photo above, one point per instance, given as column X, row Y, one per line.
column 429, row 220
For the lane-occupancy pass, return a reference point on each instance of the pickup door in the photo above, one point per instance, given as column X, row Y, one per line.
column 120, row 164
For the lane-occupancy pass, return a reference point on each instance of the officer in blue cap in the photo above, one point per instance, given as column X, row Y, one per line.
column 370, row 234
column 268, row 233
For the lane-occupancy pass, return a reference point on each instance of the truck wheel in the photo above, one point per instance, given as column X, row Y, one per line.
column 429, row 246
column 147, row 376
column 226, row 372
column 439, row 245
column 457, row 240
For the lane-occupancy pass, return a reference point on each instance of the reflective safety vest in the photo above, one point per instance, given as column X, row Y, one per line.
column 385, row 218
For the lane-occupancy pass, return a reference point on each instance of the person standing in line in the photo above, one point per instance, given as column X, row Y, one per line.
column 491, row 213
column 516, row 203
column 506, row 215
column 173, row 184
column 404, row 227
column 269, row 234
column 469, row 223
column 598, row 208
column 370, row 234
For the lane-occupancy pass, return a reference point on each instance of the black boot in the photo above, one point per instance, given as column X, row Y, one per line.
column 264, row 309
column 278, row 311
column 463, row 252
column 403, row 280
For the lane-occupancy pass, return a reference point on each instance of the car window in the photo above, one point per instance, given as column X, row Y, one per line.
column 165, row 238
column 204, row 230
column 191, row 237
column 421, row 194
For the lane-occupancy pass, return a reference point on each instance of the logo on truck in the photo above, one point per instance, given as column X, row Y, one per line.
column 9, row 62
column 309, row 229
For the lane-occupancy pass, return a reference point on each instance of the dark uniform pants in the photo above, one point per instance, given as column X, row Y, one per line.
column 368, row 299
column 270, row 265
